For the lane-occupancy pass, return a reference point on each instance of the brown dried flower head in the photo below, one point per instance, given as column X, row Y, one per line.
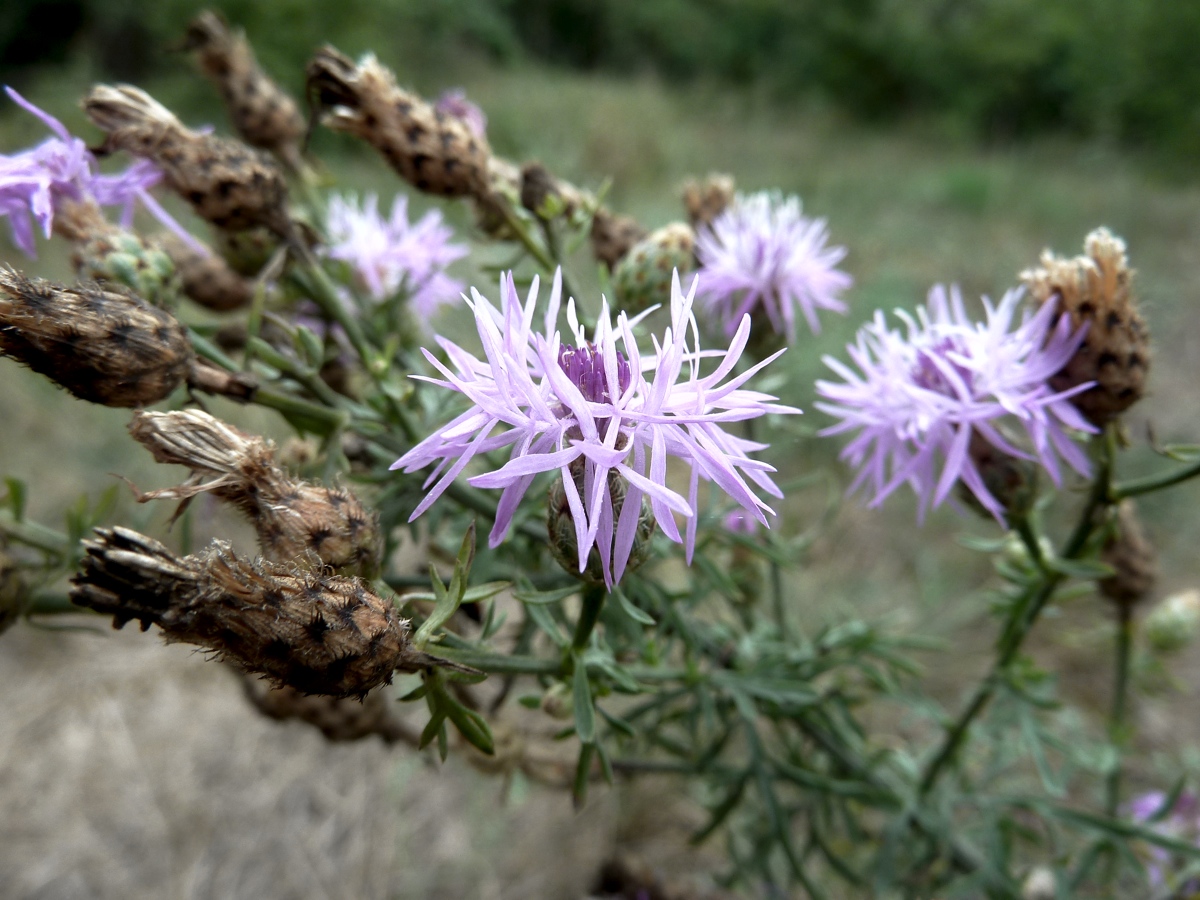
column 320, row 634
column 261, row 112
column 1096, row 289
column 337, row 718
column 100, row 342
column 206, row 278
column 226, row 182
column 434, row 151
column 613, row 236
column 707, row 199
column 297, row 522
column 1133, row 557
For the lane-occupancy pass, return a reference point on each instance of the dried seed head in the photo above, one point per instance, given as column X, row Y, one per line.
column 317, row 634
column 643, row 276
column 206, row 277
column 338, row 718
column 613, row 236
column 261, row 112
column 104, row 252
column 707, row 199
column 227, row 183
column 434, row 151
column 297, row 523
column 99, row 342
column 564, row 544
column 1096, row 289
column 1132, row 556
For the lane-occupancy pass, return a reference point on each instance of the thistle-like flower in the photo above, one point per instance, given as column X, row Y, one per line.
column 762, row 257
column 1180, row 821
column 387, row 255
column 925, row 394
column 36, row 182
column 603, row 415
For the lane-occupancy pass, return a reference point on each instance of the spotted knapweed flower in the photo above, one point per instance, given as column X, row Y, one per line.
column 34, row 182
column 924, row 395
column 1180, row 821
column 388, row 255
column 454, row 102
column 598, row 410
column 762, row 256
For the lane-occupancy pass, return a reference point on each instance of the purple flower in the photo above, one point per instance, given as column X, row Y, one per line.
column 34, row 182
column 598, row 407
column 762, row 255
column 1181, row 821
column 921, row 396
column 390, row 255
column 454, row 102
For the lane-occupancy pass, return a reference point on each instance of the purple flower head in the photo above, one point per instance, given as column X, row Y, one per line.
column 1180, row 821
column 762, row 254
column 34, row 182
column 454, row 102
column 569, row 402
column 921, row 395
column 393, row 254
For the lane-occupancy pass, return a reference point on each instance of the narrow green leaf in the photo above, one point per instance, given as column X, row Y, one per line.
column 616, row 722
column 448, row 598
column 606, row 770
column 470, row 725
column 541, row 618
column 583, row 771
column 585, row 713
column 16, row 497
column 721, row 811
column 309, row 346
column 1086, row 569
column 638, row 615
column 540, row 598
column 436, row 721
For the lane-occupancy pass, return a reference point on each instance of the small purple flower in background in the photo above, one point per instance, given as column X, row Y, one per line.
column 454, row 102
column 762, row 255
column 33, row 183
column 394, row 254
column 574, row 403
column 1181, row 821
column 922, row 395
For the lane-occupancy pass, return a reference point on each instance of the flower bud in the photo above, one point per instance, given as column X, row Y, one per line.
column 1012, row 481
column 206, row 278
column 337, row 718
column 319, row 634
column 1173, row 623
column 643, row 276
column 296, row 522
column 101, row 343
column 1096, row 289
column 227, row 183
column 613, row 236
column 558, row 701
column 434, row 151
column 261, row 112
column 564, row 545
column 1131, row 555
column 707, row 199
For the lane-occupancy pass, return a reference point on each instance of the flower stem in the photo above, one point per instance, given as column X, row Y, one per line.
column 1026, row 610
column 1116, row 719
column 1151, row 483
column 593, row 602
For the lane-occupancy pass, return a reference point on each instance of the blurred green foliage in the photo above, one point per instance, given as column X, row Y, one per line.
column 1118, row 69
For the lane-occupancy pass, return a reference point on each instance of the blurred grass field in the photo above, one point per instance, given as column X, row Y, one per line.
column 915, row 205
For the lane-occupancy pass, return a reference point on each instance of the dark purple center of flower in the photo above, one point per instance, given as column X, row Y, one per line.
column 930, row 375
column 585, row 367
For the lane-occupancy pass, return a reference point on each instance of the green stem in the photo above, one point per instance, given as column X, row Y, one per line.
column 593, row 602
column 499, row 664
column 1116, row 719
column 1150, row 483
column 1026, row 611
column 35, row 535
